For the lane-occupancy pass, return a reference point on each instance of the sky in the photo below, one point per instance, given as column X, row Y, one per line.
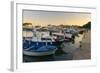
column 43, row 18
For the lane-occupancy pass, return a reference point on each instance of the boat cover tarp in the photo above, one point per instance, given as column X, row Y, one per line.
column 38, row 46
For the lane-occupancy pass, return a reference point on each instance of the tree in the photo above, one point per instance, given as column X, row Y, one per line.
column 87, row 25
column 25, row 24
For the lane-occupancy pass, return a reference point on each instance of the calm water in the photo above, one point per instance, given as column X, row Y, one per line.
column 64, row 53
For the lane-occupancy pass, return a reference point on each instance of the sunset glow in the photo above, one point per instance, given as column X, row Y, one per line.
column 44, row 18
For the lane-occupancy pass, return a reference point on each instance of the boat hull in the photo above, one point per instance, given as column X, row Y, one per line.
column 33, row 53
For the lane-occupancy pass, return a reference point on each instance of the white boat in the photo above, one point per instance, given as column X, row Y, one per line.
column 63, row 36
column 71, row 31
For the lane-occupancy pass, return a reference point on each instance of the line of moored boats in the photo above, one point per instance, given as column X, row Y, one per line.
column 43, row 42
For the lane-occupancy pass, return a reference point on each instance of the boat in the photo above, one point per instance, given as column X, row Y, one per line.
column 40, row 44
column 69, row 37
column 63, row 36
column 70, row 33
column 60, row 37
column 39, row 48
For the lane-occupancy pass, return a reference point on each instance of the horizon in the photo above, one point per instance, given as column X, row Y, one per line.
column 45, row 18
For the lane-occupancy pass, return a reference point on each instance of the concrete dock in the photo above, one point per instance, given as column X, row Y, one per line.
column 84, row 52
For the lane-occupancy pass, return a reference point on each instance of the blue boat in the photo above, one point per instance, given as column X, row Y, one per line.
column 45, row 46
column 40, row 44
column 32, row 48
